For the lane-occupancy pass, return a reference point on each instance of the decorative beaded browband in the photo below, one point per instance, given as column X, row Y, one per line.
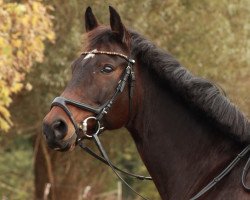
column 111, row 53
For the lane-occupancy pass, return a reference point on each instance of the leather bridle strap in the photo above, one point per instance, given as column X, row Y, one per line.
column 100, row 158
column 244, row 175
column 105, row 156
column 225, row 172
column 129, row 74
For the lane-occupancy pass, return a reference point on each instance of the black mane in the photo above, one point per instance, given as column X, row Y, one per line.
column 200, row 93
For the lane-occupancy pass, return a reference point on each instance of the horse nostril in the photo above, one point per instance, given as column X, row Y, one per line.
column 47, row 131
column 60, row 129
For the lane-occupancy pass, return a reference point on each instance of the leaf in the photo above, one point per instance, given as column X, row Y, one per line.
column 24, row 28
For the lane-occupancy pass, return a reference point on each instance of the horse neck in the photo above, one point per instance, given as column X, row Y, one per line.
column 180, row 149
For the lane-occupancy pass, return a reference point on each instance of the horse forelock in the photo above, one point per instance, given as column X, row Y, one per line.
column 102, row 35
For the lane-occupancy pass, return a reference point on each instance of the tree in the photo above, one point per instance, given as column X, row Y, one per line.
column 23, row 30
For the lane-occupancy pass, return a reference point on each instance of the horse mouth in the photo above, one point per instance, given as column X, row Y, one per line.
column 63, row 148
column 59, row 147
column 64, row 145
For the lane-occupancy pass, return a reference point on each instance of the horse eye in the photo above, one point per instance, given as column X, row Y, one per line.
column 107, row 69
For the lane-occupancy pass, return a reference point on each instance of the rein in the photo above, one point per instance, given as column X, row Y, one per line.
column 226, row 171
column 127, row 76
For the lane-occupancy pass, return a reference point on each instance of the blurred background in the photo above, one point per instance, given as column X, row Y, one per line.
column 39, row 40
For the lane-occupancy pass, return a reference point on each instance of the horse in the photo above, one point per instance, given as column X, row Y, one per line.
column 186, row 130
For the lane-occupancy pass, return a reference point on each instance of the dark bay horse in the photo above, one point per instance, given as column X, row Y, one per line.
column 185, row 129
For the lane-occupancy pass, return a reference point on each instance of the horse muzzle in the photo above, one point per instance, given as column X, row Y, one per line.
column 55, row 135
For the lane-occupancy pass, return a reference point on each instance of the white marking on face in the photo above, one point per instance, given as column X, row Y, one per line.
column 90, row 55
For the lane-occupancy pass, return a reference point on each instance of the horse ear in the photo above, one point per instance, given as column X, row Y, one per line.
column 90, row 20
column 117, row 25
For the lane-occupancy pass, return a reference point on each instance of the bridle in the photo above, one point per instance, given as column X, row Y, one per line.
column 128, row 76
column 99, row 112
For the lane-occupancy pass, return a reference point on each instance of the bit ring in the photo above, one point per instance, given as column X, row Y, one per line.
column 85, row 126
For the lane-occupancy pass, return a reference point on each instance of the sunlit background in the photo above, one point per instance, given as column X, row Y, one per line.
column 38, row 42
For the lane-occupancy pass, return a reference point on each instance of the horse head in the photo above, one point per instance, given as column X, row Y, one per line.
column 98, row 95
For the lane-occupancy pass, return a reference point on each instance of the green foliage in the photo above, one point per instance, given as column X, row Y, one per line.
column 16, row 169
column 24, row 28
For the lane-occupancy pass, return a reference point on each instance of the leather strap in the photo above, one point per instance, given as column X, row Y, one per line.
column 228, row 169
column 105, row 156
column 100, row 158
column 244, row 174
